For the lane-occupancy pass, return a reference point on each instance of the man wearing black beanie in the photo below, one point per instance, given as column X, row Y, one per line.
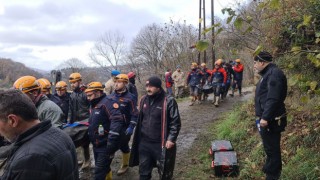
column 270, row 110
column 154, row 141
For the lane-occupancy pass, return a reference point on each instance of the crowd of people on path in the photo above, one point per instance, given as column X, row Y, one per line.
column 202, row 81
column 32, row 124
column 32, row 120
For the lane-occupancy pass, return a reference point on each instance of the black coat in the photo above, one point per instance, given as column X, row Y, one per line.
column 78, row 107
column 42, row 152
column 271, row 92
column 172, row 124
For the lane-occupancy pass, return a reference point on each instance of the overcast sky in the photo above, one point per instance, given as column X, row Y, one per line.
column 43, row 33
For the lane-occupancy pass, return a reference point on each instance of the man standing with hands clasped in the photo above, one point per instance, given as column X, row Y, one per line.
column 154, row 142
column 270, row 109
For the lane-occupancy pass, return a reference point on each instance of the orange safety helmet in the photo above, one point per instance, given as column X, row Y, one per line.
column 122, row 78
column 238, row 60
column 218, row 62
column 94, row 86
column 74, row 77
column 131, row 75
column 61, row 85
column 194, row 65
column 44, row 84
column 26, row 84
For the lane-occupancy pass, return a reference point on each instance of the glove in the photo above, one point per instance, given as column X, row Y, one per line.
column 129, row 130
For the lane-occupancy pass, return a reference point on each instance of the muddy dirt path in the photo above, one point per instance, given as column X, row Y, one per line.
column 194, row 119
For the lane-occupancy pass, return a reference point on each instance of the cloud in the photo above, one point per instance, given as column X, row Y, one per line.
column 70, row 22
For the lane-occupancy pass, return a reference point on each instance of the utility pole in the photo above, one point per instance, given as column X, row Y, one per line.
column 204, row 27
column 212, row 38
column 199, row 36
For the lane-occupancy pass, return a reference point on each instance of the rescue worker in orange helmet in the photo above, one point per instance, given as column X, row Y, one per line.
column 128, row 107
column 193, row 81
column 64, row 96
column 238, row 76
column 79, row 110
column 218, row 81
column 106, row 127
column 47, row 110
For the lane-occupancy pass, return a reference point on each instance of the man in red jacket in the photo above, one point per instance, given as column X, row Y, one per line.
column 218, row 81
column 238, row 75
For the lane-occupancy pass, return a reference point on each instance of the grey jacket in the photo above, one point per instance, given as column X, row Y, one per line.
column 48, row 110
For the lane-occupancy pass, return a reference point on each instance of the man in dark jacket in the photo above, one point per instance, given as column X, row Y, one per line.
column 106, row 126
column 64, row 96
column 128, row 108
column 270, row 109
column 79, row 110
column 39, row 150
column 194, row 81
column 132, row 85
column 154, row 142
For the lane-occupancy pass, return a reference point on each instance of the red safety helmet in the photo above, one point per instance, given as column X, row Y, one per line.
column 131, row 75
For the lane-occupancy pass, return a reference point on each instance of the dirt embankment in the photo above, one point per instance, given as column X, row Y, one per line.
column 194, row 120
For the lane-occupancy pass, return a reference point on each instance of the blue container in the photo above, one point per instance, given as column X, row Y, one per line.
column 258, row 124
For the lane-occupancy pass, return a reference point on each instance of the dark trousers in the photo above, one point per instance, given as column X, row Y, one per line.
column 237, row 83
column 102, row 163
column 149, row 154
column 124, row 144
column 271, row 143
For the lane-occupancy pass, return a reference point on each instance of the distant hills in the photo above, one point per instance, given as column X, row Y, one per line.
column 11, row 71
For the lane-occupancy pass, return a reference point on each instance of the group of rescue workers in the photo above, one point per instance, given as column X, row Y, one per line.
column 203, row 81
column 111, row 114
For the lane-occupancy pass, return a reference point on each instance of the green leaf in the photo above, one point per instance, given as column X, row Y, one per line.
column 219, row 31
column 205, row 31
column 275, row 4
column 317, row 40
column 306, row 21
column 249, row 19
column 304, row 99
column 229, row 19
column 296, row 49
column 318, row 34
column 290, row 65
column 293, row 80
column 313, row 85
column 249, row 29
column 238, row 22
column 202, row 45
column 257, row 50
column 318, row 56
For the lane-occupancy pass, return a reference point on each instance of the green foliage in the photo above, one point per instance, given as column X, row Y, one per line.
column 306, row 21
column 275, row 4
column 257, row 50
column 202, row 45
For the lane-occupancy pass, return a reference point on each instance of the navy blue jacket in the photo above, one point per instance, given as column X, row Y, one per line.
column 128, row 106
column 106, row 112
column 271, row 92
column 133, row 90
column 64, row 103
column 194, row 77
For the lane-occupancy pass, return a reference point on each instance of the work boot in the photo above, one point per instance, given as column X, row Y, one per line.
column 86, row 154
column 109, row 176
column 125, row 164
column 192, row 101
column 232, row 93
column 217, row 101
column 214, row 100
